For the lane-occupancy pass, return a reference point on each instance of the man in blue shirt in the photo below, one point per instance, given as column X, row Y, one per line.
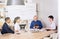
column 36, row 23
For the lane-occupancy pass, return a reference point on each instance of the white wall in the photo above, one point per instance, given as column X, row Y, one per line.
column 26, row 12
column 46, row 8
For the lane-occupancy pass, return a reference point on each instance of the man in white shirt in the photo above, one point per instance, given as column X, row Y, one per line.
column 52, row 25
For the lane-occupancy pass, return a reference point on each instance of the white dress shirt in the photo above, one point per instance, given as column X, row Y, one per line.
column 52, row 26
column 17, row 27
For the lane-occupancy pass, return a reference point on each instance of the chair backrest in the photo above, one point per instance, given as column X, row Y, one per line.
column 1, row 24
column 46, row 38
column 54, row 36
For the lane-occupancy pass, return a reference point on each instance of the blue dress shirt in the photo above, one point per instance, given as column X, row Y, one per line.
column 38, row 22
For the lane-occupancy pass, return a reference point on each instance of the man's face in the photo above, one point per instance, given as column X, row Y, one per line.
column 35, row 18
column 8, row 21
column 49, row 19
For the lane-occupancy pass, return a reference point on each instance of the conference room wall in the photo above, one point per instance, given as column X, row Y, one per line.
column 46, row 8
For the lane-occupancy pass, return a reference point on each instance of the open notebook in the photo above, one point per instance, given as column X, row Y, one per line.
column 37, row 30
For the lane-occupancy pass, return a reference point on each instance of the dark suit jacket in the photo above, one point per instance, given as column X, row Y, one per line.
column 6, row 29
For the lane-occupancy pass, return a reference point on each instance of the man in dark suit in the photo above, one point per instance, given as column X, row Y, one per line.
column 6, row 28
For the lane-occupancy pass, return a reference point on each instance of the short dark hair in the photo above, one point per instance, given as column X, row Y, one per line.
column 16, row 19
column 51, row 17
column 7, row 18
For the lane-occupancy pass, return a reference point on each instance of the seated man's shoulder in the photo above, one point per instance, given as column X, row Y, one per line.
column 32, row 20
column 4, row 23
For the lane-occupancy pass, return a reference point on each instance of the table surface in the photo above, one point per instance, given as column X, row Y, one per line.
column 27, row 35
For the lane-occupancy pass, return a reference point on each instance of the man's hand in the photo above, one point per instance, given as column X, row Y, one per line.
column 36, row 27
column 16, row 31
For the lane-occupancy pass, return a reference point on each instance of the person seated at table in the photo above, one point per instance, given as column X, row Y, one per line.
column 52, row 25
column 16, row 24
column 36, row 23
column 6, row 28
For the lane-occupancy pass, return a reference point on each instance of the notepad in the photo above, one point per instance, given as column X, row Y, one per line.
column 37, row 30
column 34, row 30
